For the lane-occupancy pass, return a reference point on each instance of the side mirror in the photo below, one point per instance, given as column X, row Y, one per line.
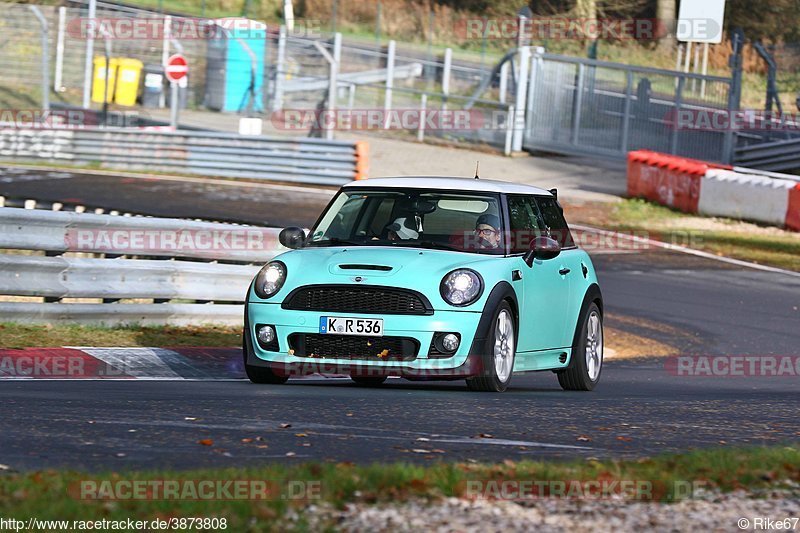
column 543, row 248
column 292, row 237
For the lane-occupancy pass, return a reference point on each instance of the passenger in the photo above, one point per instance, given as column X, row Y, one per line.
column 401, row 230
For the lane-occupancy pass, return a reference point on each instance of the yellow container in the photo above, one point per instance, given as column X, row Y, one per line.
column 99, row 80
column 128, row 73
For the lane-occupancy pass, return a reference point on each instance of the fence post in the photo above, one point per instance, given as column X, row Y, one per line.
column 87, row 67
column 333, row 89
column 280, row 68
column 164, row 54
column 536, row 67
column 45, row 59
column 521, row 97
column 503, row 88
column 626, row 114
column 576, row 115
column 422, row 116
column 448, row 63
column 387, row 103
column 673, row 149
column 509, row 130
column 62, row 16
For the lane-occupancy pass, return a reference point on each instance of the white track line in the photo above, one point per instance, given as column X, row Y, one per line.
column 689, row 251
column 211, row 181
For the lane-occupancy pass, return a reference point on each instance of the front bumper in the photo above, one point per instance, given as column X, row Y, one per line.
column 464, row 363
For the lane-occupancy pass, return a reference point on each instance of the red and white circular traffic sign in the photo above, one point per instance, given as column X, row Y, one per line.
column 177, row 68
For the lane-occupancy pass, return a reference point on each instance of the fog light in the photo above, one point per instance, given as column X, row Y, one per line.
column 266, row 334
column 450, row 342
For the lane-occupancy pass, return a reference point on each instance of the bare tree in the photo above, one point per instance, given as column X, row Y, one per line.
column 667, row 17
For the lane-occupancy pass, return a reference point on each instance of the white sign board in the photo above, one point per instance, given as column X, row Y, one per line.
column 700, row 21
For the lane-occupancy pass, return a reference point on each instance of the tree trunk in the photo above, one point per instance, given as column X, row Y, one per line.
column 667, row 23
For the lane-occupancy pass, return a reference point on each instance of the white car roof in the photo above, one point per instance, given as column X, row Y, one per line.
column 446, row 183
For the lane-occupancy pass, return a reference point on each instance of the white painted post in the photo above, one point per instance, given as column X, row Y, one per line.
column 503, row 82
column 57, row 76
column 387, row 103
column 337, row 53
column 88, row 65
column 688, row 57
column 174, row 104
column 280, row 71
column 521, row 97
column 288, row 14
column 705, row 71
column 448, row 64
column 422, row 117
column 165, row 54
column 509, row 130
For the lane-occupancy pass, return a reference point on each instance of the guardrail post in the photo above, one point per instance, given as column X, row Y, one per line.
column 522, row 95
column 280, row 68
column 387, row 102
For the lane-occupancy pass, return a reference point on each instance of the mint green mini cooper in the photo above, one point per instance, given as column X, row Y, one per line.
column 429, row 278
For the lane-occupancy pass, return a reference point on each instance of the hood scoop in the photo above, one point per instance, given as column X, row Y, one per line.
column 378, row 268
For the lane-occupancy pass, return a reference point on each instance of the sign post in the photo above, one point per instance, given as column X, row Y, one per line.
column 700, row 21
column 177, row 68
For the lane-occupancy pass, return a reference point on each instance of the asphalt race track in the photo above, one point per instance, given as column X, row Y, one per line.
column 640, row 408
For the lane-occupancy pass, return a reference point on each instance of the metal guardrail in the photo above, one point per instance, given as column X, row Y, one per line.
column 775, row 156
column 110, row 259
column 302, row 160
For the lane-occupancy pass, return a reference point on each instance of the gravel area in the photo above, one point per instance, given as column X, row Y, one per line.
column 709, row 512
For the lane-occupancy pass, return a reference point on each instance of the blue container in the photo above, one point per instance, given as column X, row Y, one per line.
column 235, row 65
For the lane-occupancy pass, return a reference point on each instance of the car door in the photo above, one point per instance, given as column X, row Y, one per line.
column 544, row 287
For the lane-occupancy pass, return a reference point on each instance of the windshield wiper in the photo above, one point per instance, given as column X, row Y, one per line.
column 433, row 245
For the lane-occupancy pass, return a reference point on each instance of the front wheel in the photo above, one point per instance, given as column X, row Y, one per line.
column 583, row 372
column 498, row 354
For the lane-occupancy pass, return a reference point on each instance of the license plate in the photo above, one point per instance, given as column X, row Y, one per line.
column 338, row 325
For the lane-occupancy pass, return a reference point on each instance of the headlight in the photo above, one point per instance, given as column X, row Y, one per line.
column 461, row 287
column 270, row 279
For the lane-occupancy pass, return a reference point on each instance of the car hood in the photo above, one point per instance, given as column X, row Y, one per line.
column 414, row 268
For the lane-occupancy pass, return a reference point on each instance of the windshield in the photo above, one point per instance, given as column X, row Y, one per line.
column 465, row 222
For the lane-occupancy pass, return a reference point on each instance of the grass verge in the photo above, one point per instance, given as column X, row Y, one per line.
column 725, row 237
column 45, row 336
column 57, row 495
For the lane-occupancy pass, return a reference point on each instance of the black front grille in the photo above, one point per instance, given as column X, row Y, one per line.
column 354, row 347
column 350, row 299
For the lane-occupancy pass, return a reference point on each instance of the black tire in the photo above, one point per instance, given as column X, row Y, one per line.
column 576, row 376
column 263, row 375
column 489, row 381
column 368, row 381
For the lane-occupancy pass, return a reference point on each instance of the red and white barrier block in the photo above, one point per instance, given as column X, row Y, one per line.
column 705, row 188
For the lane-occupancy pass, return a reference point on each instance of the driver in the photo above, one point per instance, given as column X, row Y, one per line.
column 402, row 230
column 487, row 230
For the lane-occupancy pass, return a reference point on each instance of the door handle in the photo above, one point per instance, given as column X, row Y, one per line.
column 564, row 271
